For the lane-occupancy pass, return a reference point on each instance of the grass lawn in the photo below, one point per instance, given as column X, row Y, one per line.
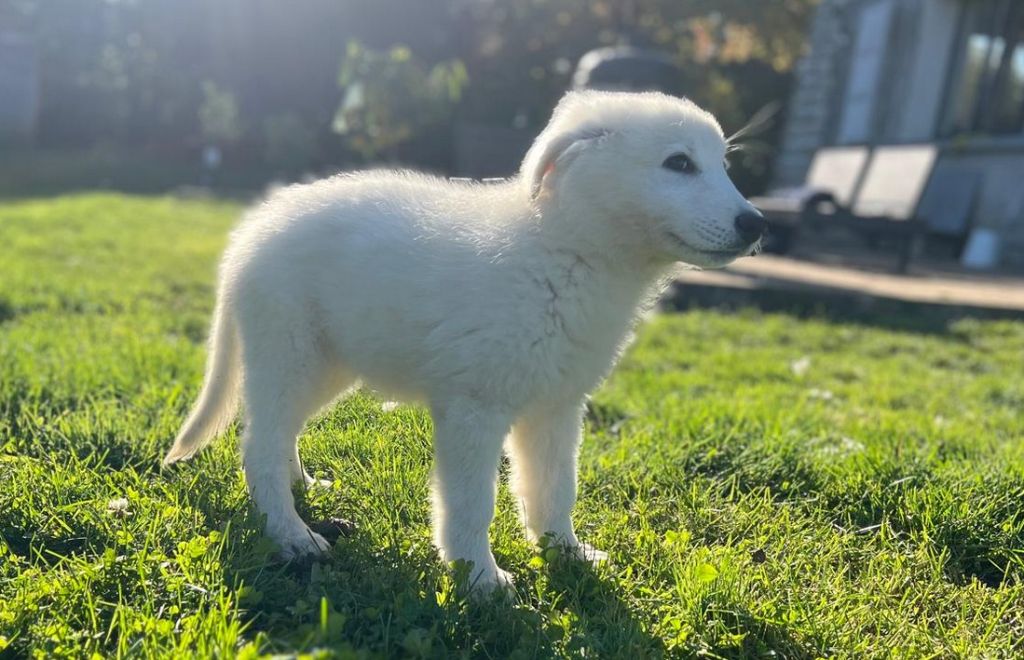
column 766, row 485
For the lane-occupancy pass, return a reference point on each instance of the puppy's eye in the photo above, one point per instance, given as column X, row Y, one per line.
column 680, row 163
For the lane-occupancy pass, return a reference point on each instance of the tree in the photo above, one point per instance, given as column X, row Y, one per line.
column 133, row 71
column 519, row 55
column 389, row 97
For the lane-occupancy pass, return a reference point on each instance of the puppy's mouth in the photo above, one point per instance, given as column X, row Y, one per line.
column 713, row 255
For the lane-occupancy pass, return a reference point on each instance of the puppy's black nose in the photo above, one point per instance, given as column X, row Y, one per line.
column 750, row 226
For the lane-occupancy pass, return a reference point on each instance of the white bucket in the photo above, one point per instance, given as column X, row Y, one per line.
column 982, row 251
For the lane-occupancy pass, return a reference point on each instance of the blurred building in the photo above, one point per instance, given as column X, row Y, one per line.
column 948, row 72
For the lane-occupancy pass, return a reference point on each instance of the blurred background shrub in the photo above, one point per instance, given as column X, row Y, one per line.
column 317, row 85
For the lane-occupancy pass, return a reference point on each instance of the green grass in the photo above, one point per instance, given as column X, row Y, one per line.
column 765, row 484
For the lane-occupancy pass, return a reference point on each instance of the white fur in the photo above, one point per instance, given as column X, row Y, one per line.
column 501, row 306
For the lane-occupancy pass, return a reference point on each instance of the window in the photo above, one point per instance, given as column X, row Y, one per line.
column 987, row 93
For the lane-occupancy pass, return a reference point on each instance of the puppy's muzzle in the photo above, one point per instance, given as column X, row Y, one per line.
column 750, row 226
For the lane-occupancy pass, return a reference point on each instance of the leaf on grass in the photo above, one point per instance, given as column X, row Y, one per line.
column 706, row 573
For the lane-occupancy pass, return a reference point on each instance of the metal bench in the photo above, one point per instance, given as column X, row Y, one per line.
column 878, row 194
column 886, row 202
column 833, row 175
column 948, row 203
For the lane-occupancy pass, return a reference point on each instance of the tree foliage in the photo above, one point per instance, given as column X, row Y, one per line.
column 183, row 72
column 389, row 97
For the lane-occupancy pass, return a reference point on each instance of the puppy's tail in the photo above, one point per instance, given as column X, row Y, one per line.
column 218, row 401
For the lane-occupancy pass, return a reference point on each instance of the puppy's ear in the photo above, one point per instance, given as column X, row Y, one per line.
column 555, row 152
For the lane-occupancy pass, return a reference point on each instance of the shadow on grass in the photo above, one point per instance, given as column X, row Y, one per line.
column 6, row 311
column 757, row 638
column 605, row 417
column 854, row 307
column 606, row 626
column 980, row 541
column 396, row 598
column 596, row 619
column 395, row 601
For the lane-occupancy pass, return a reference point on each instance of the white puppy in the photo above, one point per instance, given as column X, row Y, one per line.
column 500, row 306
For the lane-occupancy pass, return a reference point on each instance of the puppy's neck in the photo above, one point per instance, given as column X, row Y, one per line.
column 597, row 277
column 574, row 241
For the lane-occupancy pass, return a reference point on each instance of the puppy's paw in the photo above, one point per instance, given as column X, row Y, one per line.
column 302, row 544
column 333, row 528
column 587, row 552
column 313, row 482
column 553, row 545
column 482, row 582
column 502, row 580
column 491, row 582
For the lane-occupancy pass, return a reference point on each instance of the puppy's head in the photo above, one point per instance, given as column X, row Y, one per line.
column 643, row 172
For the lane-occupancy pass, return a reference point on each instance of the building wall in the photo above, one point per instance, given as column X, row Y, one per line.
column 911, row 82
column 907, row 108
column 1000, row 203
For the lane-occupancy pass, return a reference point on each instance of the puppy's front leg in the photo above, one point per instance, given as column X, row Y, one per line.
column 467, row 448
column 543, row 447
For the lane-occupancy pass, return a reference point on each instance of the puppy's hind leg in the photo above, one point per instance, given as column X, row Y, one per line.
column 281, row 379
